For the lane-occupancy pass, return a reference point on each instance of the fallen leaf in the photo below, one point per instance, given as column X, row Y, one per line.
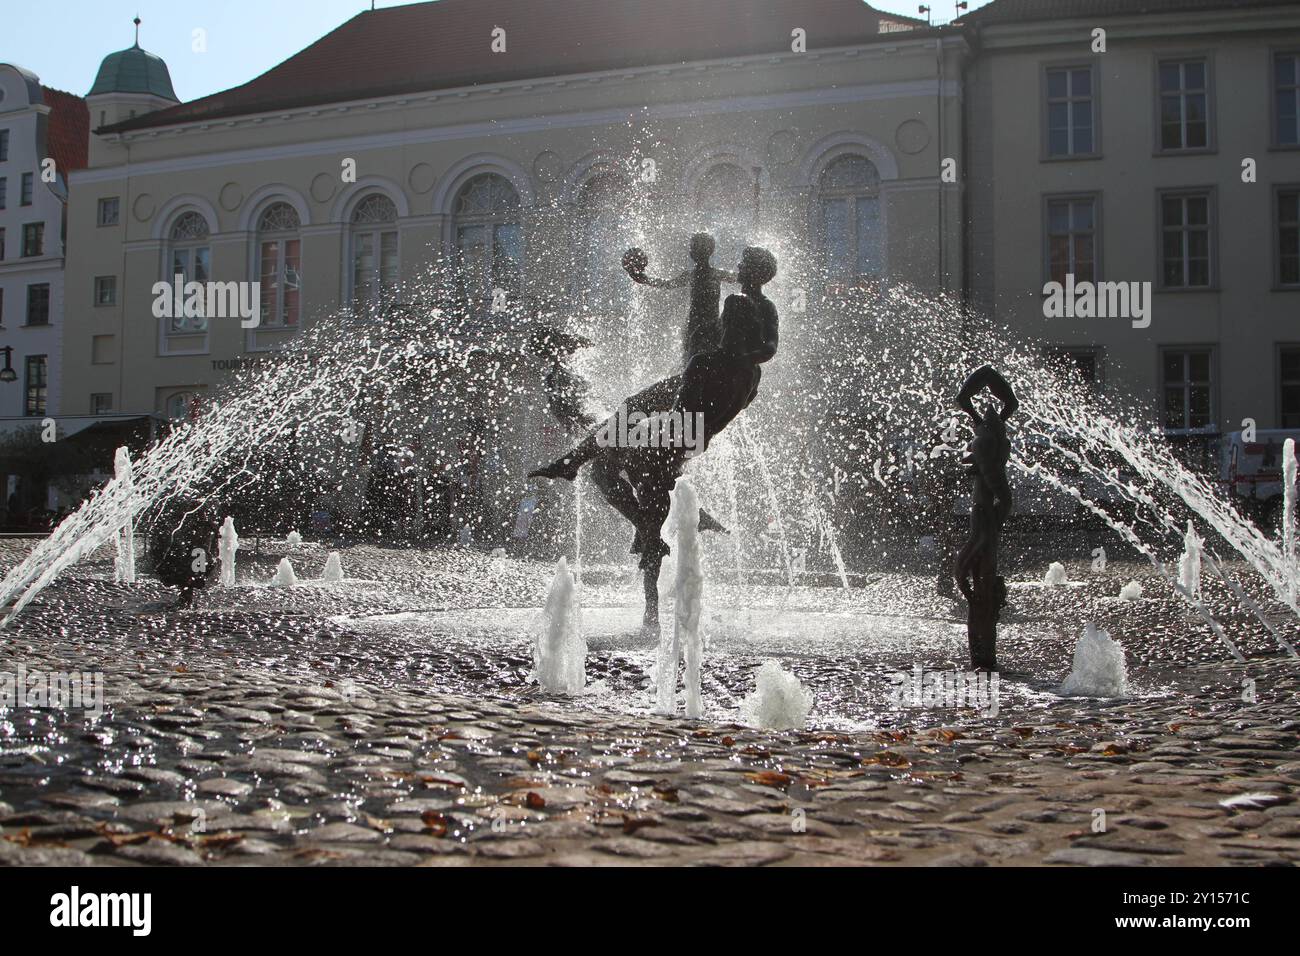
column 632, row 824
column 888, row 758
column 770, row 778
column 219, row 841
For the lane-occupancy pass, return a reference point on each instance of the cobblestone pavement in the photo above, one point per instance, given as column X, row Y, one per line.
column 275, row 726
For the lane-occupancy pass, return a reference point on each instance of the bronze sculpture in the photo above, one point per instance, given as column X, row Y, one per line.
column 976, row 565
column 717, row 385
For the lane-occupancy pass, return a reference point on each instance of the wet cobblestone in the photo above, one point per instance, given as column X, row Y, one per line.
column 269, row 727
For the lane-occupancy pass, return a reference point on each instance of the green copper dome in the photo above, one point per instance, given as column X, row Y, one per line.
column 134, row 71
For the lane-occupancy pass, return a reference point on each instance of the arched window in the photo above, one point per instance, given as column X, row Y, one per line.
column 489, row 235
column 279, row 258
column 602, row 204
column 182, row 405
column 374, row 249
column 191, row 259
column 724, row 199
column 849, row 199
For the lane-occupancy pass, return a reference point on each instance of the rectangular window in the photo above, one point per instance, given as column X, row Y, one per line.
column 1072, row 239
column 103, row 349
column 1070, row 115
column 1186, row 378
column 1186, row 240
column 1288, row 236
column 2, row 244
column 4, row 191
column 4, row 145
column 1286, row 99
column 1083, row 364
column 37, row 385
column 101, row 403
column 33, row 239
column 108, row 211
column 1184, row 104
column 105, row 290
column 26, row 199
column 38, row 304
column 1288, row 378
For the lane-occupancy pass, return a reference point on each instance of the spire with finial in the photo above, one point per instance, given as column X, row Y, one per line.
column 136, row 21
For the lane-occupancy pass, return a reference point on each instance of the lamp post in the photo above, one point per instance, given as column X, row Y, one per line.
column 7, row 374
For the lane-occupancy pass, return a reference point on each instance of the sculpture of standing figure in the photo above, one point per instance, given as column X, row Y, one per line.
column 976, row 565
column 703, row 330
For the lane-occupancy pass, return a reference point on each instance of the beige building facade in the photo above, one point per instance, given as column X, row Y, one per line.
column 1164, row 150
column 839, row 143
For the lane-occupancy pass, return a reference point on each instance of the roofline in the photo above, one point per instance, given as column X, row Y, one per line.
column 32, row 81
column 979, row 18
column 55, row 89
column 582, row 118
column 142, row 124
column 1013, row 34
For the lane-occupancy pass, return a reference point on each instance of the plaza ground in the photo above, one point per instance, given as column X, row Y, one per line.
column 390, row 720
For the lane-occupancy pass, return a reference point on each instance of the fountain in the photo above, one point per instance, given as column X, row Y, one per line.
column 333, row 573
column 1099, row 669
column 1189, row 565
column 829, row 478
column 284, row 575
column 126, row 534
column 226, row 549
column 559, row 650
column 779, row 700
column 1288, row 514
column 686, row 639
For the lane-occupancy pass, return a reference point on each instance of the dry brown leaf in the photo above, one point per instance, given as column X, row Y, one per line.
column 632, row 824
column 770, row 778
column 888, row 758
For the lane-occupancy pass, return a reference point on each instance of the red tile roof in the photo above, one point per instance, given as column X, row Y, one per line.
column 446, row 44
column 68, row 134
column 1005, row 11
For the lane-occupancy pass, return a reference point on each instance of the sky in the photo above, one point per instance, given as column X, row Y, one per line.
column 244, row 37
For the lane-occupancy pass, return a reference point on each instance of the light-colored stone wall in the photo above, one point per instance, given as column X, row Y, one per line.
column 24, row 115
column 787, row 116
column 1244, row 317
